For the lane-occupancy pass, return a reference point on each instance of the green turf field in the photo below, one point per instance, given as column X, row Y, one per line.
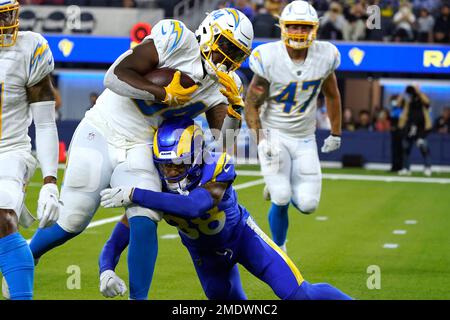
column 356, row 218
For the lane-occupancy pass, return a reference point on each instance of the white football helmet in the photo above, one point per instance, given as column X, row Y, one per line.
column 229, row 32
column 299, row 12
column 9, row 22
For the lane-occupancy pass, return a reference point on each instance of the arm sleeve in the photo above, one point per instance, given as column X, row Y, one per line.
column 335, row 60
column 256, row 63
column 46, row 136
column 122, row 88
column 193, row 205
column 41, row 60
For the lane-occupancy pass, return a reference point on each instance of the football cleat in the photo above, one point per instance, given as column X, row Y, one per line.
column 404, row 172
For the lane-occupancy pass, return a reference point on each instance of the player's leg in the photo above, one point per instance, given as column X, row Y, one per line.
column 16, row 260
column 88, row 172
column 116, row 244
column 306, row 175
column 279, row 186
column 264, row 259
column 422, row 144
column 218, row 274
column 112, row 285
column 139, row 171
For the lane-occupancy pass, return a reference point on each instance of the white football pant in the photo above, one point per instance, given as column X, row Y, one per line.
column 297, row 176
column 93, row 165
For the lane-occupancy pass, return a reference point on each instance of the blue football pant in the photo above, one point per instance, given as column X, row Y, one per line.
column 218, row 272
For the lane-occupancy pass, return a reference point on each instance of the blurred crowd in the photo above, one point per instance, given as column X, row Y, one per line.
column 93, row 3
column 352, row 20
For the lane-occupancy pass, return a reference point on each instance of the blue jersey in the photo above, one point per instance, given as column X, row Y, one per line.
column 221, row 224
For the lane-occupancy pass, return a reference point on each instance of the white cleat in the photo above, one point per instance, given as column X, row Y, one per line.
column 266, row 193
column 427, row 172
column 5, row 289
column 283, row 247
column 111, row 285
column 404, row 172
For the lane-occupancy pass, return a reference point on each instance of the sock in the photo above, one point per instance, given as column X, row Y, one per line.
column 279, row 222
column 48, row 238
column 142, row 252
column 110, row 255
column 318, row 291
column 17, row 266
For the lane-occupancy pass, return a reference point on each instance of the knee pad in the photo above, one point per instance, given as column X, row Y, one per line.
column 306, row 205
column 11, row 195
column 280, row 196
column 77, row 211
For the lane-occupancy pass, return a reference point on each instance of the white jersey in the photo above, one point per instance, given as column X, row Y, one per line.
column 127, row 121
column 291, row 104
column 21, row 66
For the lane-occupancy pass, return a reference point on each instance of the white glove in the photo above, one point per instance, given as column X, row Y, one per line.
column 48, row 205
column 111, row 285
column 116, row 197
column 331, row 143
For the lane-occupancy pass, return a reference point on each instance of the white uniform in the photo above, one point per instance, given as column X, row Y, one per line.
column 290, row 116
column 112, row 144
column 21, row 66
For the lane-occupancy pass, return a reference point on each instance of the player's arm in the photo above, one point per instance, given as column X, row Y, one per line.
column 333, row 102
column 193, row 205
column 257, row 93
column 126, row 77
column 41, row 99
column 221, row 123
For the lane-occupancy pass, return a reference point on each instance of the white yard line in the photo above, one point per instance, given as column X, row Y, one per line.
column 117, row 218
column 361, row 177
column 390, row 246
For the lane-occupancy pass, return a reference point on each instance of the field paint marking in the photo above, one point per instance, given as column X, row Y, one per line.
column 410, row 221
column 360, row 177
column 390, row 246
column 332, row 176
column 117, row 218
column 170, row 236
column 321, row 218
column 248, row 184
column 399, row 232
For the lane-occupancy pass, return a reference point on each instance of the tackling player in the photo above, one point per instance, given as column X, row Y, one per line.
column 112, row 144
column 26, row 94
column 288, row 76
column 198, row 199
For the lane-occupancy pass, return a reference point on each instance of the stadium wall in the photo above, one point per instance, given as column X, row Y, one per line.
column 373, row 147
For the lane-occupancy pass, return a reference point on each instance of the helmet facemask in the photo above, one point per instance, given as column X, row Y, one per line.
column 231, row 52
column 9, row 24
column 298, row 40
column 179, row 165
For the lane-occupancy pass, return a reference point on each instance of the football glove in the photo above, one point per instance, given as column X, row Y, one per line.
column 116, row 197
column 331, row 143
column 48, row 205
column 176, row 94
column 111, row 285
column 231, row 91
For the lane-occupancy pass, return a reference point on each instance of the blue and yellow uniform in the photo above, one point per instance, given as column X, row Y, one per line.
column 218, row 232
column 224, row 235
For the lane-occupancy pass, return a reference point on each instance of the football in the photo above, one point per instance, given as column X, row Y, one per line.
column 163, row 76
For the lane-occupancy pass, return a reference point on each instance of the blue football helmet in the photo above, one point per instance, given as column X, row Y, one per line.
column 177, row 152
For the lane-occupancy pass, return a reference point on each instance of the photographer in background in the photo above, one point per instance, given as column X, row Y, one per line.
column 415, row 123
